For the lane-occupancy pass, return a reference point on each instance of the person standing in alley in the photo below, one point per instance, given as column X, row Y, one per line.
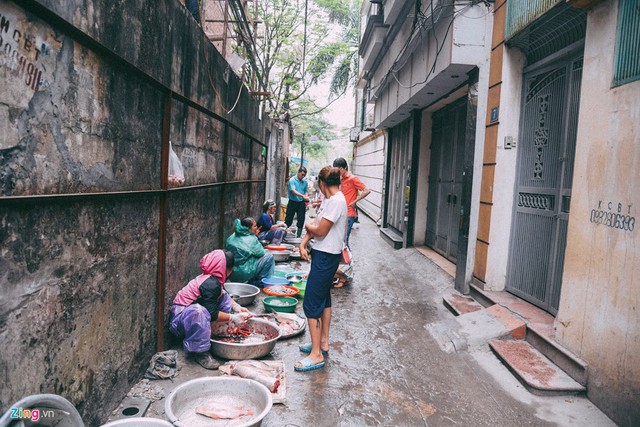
column 298, row 196
column 328, row 231
column 354, row 191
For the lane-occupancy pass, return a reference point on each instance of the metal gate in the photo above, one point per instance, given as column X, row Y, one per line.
column 399, row 176
column 546, row 155
column 445, row 179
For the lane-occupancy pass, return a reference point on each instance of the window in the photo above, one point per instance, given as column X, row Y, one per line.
column 627, row 54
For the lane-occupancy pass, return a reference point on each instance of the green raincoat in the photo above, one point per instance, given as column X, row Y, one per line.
column 247, row 251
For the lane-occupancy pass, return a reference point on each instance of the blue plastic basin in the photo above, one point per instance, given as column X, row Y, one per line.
column 270, row 281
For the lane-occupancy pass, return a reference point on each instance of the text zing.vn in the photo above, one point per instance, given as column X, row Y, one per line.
column 31, row 414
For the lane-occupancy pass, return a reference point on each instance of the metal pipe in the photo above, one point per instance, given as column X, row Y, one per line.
column 162, row 223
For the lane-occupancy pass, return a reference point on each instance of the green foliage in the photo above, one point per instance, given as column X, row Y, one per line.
column 313, row 131
column 287, row 56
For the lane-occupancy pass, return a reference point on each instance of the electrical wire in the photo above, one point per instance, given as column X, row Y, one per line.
column 391, row 72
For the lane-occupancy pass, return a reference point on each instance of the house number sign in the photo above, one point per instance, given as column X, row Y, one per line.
column 614, row 215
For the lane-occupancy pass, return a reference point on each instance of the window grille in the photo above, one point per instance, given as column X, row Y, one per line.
column 627, row 54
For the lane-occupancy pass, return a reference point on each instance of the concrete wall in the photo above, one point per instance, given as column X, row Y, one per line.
column 598, row 317
column 93, row 243
column 368, row 165
column 504, row 170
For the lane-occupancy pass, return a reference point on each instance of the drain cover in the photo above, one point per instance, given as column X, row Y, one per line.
column 132, row 407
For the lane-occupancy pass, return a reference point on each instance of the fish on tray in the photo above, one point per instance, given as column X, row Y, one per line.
column 222, row 410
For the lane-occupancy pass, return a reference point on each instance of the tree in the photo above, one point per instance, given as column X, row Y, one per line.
column 347, row 16
column 292, row 49
column 314, row 132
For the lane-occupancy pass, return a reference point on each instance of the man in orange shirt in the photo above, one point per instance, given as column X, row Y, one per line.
column 354, row 191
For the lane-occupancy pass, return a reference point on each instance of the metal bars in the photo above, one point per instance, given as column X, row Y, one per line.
column 627, row 59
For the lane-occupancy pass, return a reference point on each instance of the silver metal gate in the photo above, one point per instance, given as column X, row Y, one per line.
column 546, row 153
column 399, row 176
column 445, row 179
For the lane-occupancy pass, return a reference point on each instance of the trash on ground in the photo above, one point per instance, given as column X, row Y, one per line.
column 163, row 365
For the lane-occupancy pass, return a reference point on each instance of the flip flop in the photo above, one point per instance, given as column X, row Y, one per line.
column 306, row 348
column 308, row 365
column 340, row 284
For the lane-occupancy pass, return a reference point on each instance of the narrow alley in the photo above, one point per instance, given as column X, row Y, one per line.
column 384, row 367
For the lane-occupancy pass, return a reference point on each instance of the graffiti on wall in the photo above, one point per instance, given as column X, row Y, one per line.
column 614, row 215
column 24, row 50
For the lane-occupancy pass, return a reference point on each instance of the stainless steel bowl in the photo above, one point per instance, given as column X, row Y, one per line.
column 293, row 240
column 280, row 256
column 241, row 351
column 243, row 293
column 139, row 422
column 180, row 406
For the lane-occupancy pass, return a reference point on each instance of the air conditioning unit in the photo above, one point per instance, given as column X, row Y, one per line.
column 354, row 134
column 368, row 123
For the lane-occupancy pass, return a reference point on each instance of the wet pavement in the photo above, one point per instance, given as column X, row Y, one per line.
column 385, row 367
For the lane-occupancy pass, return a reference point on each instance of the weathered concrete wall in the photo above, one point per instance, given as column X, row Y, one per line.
column 91, row 92
column 598, row 317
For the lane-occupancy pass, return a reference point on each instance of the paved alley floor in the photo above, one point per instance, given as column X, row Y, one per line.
column 386, row 369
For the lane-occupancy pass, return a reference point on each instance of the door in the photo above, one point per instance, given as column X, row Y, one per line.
column 445, row 179
column 399, row 176
column 546, row 152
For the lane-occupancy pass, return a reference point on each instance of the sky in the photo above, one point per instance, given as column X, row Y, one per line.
column 341, row 113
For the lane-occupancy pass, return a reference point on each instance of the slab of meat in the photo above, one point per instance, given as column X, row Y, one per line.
column 221, row 410
column 255, row 373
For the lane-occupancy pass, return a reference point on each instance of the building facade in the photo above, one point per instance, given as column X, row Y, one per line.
column 557, row 217
column 423, row 64
column 511, row 136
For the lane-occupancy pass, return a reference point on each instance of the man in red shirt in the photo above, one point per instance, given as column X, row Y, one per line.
column 354, row 191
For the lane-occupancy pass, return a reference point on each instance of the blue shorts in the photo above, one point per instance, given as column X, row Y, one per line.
column 317, row 294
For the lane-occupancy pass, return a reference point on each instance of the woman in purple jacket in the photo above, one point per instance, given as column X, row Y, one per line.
column 201, row 302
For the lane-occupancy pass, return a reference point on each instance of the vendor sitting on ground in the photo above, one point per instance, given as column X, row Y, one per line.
column 252, row 262
column 270, row 231
column 201, row 302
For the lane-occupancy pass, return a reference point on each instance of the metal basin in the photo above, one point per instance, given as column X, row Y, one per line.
column 180, row 406
column 280, row 256
column 249, row 349
column 243, row 293
column 293, row 240
column 138, row 422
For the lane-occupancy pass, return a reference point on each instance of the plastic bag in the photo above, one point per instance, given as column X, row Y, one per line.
column 176, row 172
column 345, row 256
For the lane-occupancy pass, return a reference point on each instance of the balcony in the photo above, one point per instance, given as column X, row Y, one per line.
column 520, row 14
column 372, row 40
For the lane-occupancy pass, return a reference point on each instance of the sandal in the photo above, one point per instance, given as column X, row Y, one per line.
column 340, row 284
column 308, row 365
column 306, row 348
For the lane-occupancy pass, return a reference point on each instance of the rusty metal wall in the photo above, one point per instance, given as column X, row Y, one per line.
column 94, row 243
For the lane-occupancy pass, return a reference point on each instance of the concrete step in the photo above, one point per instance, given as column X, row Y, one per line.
column 480, row 296
column 392, row 237
column 538, row 333
column 536, row 372
column 575, row 367
column 459, row 304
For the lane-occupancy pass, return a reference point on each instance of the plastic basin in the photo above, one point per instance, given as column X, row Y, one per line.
column 270, row 281
column 280, row 304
